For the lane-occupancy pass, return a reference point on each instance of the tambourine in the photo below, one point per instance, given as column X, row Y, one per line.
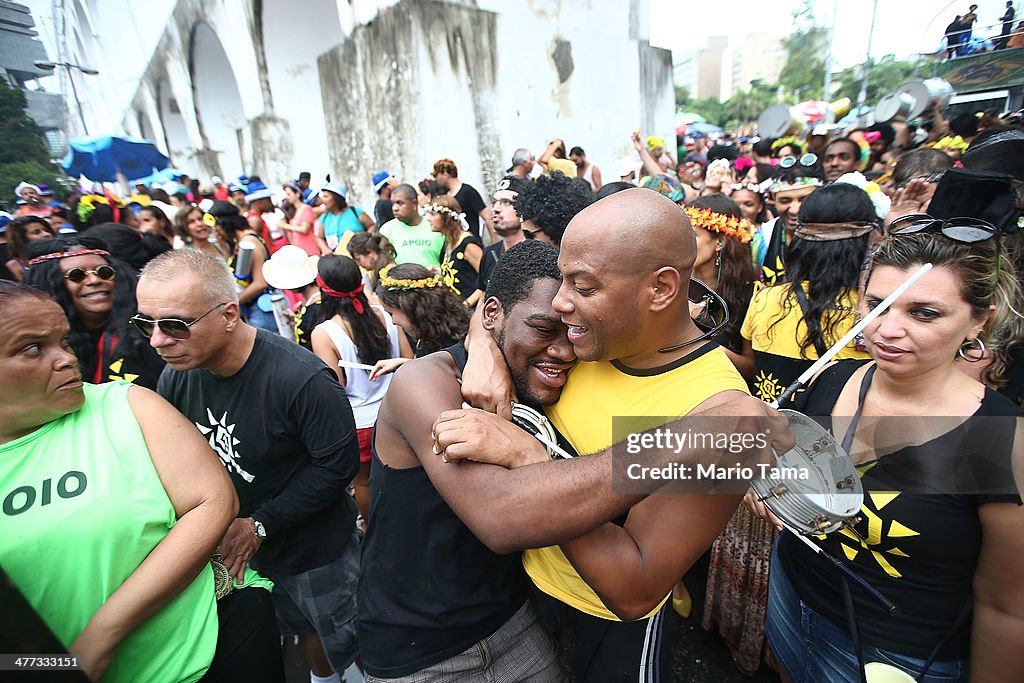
column 535, row 423
column 814, row 487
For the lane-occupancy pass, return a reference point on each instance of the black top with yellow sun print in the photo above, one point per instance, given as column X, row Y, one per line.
column 918, row 549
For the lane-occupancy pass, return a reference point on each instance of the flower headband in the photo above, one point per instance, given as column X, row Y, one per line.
column 788, row 140
column 437, row 208
column 67, row 254
column 392, row 284
column 725, row 224
column 795, row 184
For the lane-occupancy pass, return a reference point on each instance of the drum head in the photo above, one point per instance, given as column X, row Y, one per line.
column 923, row 92
column 815, row 487
column 535, row 423
column 893, row 106
column 775, row 121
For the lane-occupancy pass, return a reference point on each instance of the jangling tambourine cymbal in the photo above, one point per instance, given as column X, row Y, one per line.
column 814, row 487
column 535, row 423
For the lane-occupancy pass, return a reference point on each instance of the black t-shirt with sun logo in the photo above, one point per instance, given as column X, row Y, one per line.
column 283, row 429
column 919, row 536
column 774, row 325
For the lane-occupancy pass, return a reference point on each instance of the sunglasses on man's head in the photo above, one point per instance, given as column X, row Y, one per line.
column 966, row 230
column 806, row 160
column 172, row 327
column 77, row 275
column 531, row 234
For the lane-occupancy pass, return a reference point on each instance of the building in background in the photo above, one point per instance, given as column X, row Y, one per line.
column 759, row 57
column 20, row 48
column 720, row 69
column 714, row 69
column 274, row 87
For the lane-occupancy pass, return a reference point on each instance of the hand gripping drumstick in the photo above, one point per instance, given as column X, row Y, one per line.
column 854, row 331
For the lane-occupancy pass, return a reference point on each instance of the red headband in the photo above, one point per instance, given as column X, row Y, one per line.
column 66, row 254
column 356, row 303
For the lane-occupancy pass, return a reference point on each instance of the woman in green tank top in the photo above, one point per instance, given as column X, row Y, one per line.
column 111, row 505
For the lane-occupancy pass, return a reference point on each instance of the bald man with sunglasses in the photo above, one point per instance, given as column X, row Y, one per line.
column 282, row 427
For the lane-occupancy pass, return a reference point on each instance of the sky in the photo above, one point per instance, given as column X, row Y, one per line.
column 902, row 27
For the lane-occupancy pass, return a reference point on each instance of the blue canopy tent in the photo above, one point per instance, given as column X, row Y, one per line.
column 111, row 158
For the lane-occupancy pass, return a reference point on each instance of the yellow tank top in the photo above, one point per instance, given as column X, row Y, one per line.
column 595, row 394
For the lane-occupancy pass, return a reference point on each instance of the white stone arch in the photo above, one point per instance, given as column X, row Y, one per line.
column 176, row 140
column 292, row 43
column 223, row 125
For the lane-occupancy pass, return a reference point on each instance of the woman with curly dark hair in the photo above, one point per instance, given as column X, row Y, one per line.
column 549, row 203
column 97, row 293
column 430, row 313
column 20, row 232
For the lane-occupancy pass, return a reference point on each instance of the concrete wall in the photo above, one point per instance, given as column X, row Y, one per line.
column 349, row 87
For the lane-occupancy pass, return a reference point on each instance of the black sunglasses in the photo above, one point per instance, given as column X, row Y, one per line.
column 77, row 275
column 172, row 327
column 806, row 160
column 709, row 311
column 966, row 230
column 531, row 234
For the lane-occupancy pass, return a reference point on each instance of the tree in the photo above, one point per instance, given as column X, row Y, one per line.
column 23, row 155
column 804, row 72
column 711, row 108
column 746, row 105
column 682, row 96
column 885, row 76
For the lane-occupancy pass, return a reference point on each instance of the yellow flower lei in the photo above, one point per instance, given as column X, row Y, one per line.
column 392, row 284
column 739, row 228
column 788, row 140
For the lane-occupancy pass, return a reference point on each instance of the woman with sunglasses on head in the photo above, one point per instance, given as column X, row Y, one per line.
column 114, row 505
column 949, row 555
column 199, row 233
column 97, row 294
column 787, row 192
column 20, row 233
column 460, row 263
column 353, row 331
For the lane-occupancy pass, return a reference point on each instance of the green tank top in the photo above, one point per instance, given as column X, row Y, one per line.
column 81, row 506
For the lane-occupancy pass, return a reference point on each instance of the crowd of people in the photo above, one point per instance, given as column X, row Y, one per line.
column 961, row 39
column 236, row 414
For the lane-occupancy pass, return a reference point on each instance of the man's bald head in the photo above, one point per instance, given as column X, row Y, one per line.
column 626, row 263
column 640, row 229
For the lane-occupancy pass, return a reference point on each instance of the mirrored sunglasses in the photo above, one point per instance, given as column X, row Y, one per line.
column 808, row 159
column 172, row 327
column 77, row 275
column 713, row 313
column 966, row 230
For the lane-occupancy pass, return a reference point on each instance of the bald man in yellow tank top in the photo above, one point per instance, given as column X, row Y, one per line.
column 625, row 262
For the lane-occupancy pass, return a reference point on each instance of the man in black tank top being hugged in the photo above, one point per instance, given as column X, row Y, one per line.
column 436, row 603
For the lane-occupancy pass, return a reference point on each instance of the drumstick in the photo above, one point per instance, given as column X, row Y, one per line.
column 553, row 446
column 891, row 608
column 848, row 337
column 356, row 366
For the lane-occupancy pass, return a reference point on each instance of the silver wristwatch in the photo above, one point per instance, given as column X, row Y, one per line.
column 260, row 530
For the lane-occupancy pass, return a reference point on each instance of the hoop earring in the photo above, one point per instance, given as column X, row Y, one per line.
column 970, row 345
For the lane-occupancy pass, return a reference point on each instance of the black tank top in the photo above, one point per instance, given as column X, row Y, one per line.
column 428, row 589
